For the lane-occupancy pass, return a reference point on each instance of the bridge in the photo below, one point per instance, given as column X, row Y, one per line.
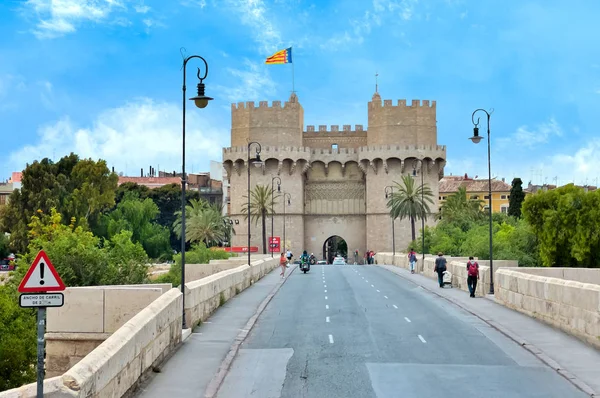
column 337, row 331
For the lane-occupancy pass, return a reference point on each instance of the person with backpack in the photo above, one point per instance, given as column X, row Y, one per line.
column 472, row 275
column 440, row 268
column 412, row 260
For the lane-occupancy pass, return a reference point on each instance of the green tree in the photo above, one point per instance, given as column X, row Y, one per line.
column 18, row 339
column 76, row 188
column 411, row 201
column 208, row 227
column 138, row 216
column 260, row 208
column 4, row 246
column 461, row 210
column 517, row 196
column 198, row 254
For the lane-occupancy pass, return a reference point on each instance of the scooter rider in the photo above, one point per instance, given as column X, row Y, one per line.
column 304, row 259
column 312, row 259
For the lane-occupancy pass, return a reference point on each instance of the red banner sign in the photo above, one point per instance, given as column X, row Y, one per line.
column 275, row 244
column 241, row 249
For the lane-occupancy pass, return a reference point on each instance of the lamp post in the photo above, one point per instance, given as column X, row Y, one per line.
column 273, row 212
column 286, row 198
column 422, row 210
column 476, row 139
column 391, row 193
column 257, row 162
column 201, row 101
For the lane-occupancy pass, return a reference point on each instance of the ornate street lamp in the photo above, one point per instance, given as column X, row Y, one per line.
column 390, row 194
column 257, row 162
column 201, row 101
column 272, row 204
column 476, row 139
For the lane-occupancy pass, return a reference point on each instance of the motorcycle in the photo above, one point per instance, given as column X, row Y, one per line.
column 304, row 266
column 312, row 260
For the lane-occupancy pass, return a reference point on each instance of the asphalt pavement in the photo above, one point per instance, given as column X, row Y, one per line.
column 362, row 331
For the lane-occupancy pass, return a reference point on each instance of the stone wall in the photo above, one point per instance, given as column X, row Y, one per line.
column 566, row 304
column 90, row 315
column 116, row 366
column 120, row 361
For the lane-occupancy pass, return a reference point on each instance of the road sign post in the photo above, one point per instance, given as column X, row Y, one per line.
column 39, row 280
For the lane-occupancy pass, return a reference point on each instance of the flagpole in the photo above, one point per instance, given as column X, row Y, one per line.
column 293, row 83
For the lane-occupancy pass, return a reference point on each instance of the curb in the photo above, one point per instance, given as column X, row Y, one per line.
column 215, row 383
column 539, row 354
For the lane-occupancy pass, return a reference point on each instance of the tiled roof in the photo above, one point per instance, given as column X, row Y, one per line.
column 452, row 183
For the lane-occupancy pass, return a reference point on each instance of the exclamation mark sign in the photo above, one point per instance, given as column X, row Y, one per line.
column 42, row 266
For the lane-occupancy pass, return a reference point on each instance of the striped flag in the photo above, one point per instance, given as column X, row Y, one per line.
column 280, row 57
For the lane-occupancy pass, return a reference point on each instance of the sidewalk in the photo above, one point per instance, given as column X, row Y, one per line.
column 190, row 370
column 566, row 354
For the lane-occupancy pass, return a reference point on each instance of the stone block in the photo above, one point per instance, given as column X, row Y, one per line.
column 83, row 312
column 123, row 304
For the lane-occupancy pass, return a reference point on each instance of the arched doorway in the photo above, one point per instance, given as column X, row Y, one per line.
column 334, row 245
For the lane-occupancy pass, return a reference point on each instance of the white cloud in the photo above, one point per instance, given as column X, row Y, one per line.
column 59, row 17
column 142, row 9
column 253, row 82
column 197, row 3
column 529, row 138
column 581, row 165
column 130, row 137
column 254, row 14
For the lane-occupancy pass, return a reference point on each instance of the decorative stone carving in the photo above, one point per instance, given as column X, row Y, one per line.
column 236, row 167
column 429, row 165
column 373, row 166
column 293, row 168
column 363, row 167
column 402, row 164
column 335, row 190
column 385, row 166
column 306, row 167
column 279, row 166
column 326, row 169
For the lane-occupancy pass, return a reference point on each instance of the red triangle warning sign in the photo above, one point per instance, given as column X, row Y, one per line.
column 41, row 277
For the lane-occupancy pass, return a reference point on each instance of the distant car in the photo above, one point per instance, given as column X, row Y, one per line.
column 5, row 264
column 297, row 262
column 321, row 262
column 339, row 261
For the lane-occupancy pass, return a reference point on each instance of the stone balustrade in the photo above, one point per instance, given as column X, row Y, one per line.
column 117, row 365
column 570, row 305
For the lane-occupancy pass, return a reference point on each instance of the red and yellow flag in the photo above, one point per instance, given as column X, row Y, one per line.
column 281, row 57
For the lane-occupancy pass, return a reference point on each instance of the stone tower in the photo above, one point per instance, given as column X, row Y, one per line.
column 336, row 177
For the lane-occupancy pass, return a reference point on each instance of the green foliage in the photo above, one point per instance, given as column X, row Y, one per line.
column 462, row 211
column 78, row 256
column 137, row 216
column 204, row 223
column 565, row 222
column 411, row 201
column 18, row 339
column 4, row 246
column 261, row 198
column 76, row 188
column 517, row 197
column 199, row 254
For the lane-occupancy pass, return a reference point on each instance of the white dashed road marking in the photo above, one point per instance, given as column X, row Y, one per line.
column 326, row 307
column 378, row 291
column 331, row 339
column 327, row 319
column 385, row 296
column 372, row 286
column 325, row 297
column 407, row 320
column 395, row 306
column 422, row 339
column 325, row 291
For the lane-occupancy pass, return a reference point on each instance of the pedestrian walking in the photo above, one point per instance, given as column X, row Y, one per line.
column 355, row 256
column 472, row 275
column 283, row 264
column 440, row 268
column 412, row 260
column 289, row 255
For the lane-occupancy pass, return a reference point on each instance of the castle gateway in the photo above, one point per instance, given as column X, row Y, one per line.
column 336, row 177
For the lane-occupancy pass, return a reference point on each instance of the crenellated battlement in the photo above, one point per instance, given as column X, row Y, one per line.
column 264, row 105
column 335, row 128
column 267, row 149
column 402, row 103
column 378, row 148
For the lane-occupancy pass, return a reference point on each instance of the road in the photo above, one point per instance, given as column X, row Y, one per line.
column 362, row 331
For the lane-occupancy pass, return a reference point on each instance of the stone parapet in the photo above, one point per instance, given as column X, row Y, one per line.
column 566, row 304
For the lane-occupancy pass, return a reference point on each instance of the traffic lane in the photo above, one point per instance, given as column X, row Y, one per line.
column 329, row 357
column 462, row 353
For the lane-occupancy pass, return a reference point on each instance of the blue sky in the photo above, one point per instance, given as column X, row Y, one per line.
column 102, row 77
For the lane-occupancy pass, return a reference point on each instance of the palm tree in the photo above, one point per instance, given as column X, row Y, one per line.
column 260, row 208
column 459, row 208
column 411, row 201
column 203, row 222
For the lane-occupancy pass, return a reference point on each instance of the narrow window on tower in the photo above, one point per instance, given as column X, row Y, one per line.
column 334, row 147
